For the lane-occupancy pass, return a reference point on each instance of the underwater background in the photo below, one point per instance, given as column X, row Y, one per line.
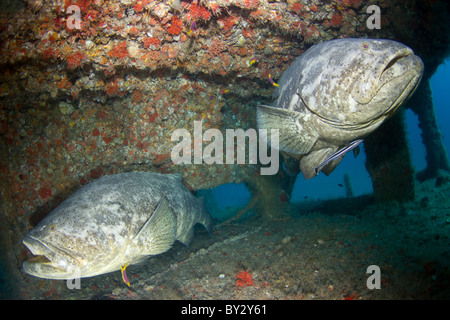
column 101, row 98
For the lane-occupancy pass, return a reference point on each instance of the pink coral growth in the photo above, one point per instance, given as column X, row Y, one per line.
column 215, row 49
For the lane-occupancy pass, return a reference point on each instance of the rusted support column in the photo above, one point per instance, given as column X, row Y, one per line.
column 388, row 161
column 436, row 155
column 269, row 197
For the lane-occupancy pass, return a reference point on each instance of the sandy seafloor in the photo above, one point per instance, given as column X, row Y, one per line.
column 320, row 251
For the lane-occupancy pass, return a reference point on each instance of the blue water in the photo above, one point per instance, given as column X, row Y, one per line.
column 327, row 187
column 323, row 187
column 441, row 99
column 231, row 195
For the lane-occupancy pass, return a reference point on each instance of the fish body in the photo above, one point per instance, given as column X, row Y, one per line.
column 338, row 92
column 113, row 222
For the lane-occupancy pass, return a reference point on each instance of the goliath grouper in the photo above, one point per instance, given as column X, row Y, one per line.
column 335, row 94
column 112, row 222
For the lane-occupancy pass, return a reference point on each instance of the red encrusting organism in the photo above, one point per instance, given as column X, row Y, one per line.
column 336, row 20
column 244, row 279
column 120, row 51
column 175, row 26
column 152, row 41
column 45, row 193
column 198, row 12
column 75, row 60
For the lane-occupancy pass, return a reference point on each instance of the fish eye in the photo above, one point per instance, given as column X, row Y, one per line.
column 365, row 46
column 52, row 227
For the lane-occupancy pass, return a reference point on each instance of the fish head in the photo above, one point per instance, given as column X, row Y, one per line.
column 357, row 83
column 53, row 256
column 50, row 262
column 63, row 246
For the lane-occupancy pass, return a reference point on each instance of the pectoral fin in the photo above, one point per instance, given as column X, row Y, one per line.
column 159, row 232
column 331, row 166
column 292, row 136
column 310, row 162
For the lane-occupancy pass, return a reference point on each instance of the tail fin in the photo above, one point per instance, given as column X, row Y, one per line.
column 202, row 217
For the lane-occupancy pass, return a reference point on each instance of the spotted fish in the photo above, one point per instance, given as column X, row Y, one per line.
column 112, row 222
column 334, row 95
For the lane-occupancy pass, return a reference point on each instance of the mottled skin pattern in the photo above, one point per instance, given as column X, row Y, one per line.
column 115, row 220
column 336, row 92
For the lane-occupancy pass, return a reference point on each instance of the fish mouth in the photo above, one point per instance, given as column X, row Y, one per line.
column 414, row 70
column 407, row 52
column 49, row 261
column 403, row 64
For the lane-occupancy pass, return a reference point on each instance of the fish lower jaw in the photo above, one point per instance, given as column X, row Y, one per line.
column 46, row 263
column 42, row 266
column 48, row 270
column 38, row 259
